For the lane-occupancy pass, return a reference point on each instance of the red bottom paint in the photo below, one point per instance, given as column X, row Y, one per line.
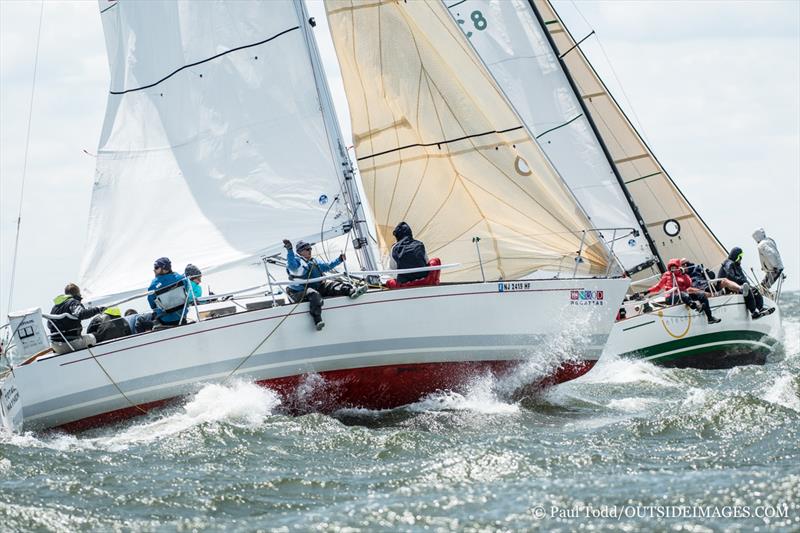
column 379, row 387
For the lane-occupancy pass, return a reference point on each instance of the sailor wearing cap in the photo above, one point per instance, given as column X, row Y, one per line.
column 165, row 296
column 301, row 266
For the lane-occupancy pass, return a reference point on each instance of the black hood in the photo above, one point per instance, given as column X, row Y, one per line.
column 735, row 251
column 402, row 230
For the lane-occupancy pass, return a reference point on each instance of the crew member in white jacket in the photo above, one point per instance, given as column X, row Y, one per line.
column 771, row 262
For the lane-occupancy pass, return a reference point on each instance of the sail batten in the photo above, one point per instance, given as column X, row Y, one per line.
column 215, row 145
column 675, row 228
column 440, row 147
column 514, row 46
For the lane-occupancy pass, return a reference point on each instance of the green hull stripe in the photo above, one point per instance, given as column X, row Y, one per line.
column 692, row 343
column 639, row 325
column 697, row 351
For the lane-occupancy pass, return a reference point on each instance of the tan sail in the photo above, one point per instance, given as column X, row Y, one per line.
column 440, row 147
column 674, row 226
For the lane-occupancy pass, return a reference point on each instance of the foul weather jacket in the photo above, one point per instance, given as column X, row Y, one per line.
column 299, row 268
column 767, row 252
column 407, row 252
column 105, row 327
column 160, row 282
column 732, row 269
column 69, row 326
column 666, row 283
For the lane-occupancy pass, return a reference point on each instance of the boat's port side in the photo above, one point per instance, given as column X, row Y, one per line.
column 379, row 351
column 676, row 336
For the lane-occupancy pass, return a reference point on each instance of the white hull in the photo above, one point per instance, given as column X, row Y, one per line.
column 375, row 346
column 680, row 337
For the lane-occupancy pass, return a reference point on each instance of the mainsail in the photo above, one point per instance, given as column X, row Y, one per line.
column 514, row 47
column 214, row 146
column 439, row 146
column 674, row 226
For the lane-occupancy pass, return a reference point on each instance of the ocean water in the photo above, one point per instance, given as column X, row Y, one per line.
column 628, row 446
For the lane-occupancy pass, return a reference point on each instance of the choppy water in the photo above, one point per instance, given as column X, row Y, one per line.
column 629, row 445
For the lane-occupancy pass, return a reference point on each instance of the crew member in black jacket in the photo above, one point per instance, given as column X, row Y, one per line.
column 110, row 324
column 66, row 333
column 407, row 252
column 732, row 269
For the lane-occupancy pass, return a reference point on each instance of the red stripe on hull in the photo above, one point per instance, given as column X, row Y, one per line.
column 379, row 387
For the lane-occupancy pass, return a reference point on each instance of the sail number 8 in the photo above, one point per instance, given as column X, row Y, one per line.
column 478, row 22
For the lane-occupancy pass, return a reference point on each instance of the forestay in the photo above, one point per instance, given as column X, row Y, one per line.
column 214, row 145
column 514, row 47
column 673, row 224
column 439, row 146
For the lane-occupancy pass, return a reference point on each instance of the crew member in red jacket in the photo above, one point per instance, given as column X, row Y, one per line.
column 690, row 296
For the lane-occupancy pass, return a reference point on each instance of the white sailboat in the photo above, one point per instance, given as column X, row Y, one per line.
column 220, row 140
column 619, row 182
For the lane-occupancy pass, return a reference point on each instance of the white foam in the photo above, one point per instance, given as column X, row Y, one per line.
column 237, row 403
column 613, row 369
column 481, row 397
column 696, row 398
column 783, row 392
column 791, row 338
column 631, row 405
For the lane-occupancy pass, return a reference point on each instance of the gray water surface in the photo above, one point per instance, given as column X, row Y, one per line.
column 628, row 446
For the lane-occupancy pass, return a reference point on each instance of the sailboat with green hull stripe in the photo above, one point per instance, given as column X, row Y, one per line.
column 640, row 214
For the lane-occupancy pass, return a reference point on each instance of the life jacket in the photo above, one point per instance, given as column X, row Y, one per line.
column 172, row 297
column 309, row 270
column 409, row 253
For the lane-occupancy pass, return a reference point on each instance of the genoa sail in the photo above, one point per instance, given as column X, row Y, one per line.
column 439, row 146
column 514, row 47
column 214, row 145
column 674, row 226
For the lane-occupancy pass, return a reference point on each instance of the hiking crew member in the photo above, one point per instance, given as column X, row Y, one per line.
column 771, row 262
column 690, row 296
column 164, row 280
column 109, row 324
column 407, row 252
column 731, row 269
column 301, row 266
column 66, row 334
column 699, row 274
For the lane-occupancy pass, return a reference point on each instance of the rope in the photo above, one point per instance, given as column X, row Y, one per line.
column 94, row 358
column 278, row 325
column 25, row 159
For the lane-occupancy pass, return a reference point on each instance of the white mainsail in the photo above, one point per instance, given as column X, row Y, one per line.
column 515, row 49
column 214, row 145
column 439, row 146
column 674, row 226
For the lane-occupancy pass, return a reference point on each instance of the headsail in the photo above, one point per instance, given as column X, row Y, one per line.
column 439, row 146
column 514, row 47
column 675, row 227
column 214, row 145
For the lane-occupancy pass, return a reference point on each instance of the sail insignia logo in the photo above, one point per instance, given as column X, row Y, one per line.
column 577, row 297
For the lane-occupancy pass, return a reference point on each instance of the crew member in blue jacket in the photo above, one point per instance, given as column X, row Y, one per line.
column 302, row 266
column 165, row 278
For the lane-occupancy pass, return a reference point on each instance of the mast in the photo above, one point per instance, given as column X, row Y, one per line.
column 352, row 198
column 601, row 142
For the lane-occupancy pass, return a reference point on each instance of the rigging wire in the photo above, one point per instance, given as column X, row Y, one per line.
column 25, row 159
